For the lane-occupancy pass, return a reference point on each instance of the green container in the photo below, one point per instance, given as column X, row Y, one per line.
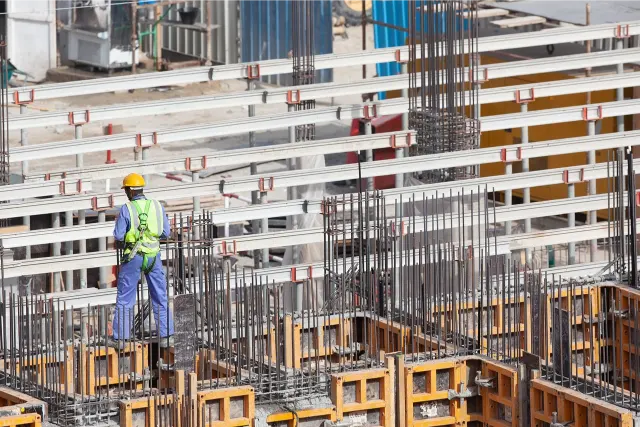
column 7, row 72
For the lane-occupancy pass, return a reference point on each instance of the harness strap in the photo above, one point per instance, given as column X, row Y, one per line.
column 146, row 269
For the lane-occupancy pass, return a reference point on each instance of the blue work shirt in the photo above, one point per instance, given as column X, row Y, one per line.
column 124, row 222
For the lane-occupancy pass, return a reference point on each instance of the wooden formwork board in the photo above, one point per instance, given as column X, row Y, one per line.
column 290, row 419
column 363, row 396
column 571, row 406
column 101, row 366
column 226, row 407
column 145, row 411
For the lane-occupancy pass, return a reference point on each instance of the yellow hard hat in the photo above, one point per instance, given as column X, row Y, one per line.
column 133, row 180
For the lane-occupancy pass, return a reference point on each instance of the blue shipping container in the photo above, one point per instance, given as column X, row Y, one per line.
column 396, row 13
column 266, row 34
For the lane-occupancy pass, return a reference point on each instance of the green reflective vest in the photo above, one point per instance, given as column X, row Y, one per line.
column 145, row 227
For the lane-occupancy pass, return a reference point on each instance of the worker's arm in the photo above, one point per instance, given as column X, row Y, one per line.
column 166, row 227
column 122, row 224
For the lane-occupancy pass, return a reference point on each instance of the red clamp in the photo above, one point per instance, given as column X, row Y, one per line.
column 63, row 188
column 637, row 198
column 484, row 73
column 189, row 166
column 327, row 208
column 18, row 101
column 531, row 98
column 393, row 142
column 294, row 274
column 399, row 59
column 470, row 252
column 566, row 177
column 370, row 112
column 622, row 32
column 293, row 97
column 261, row 186
column 72, row 118
column 504, row 158
column 253, row 71
column 98, row 208
column 585, row 114
column 224, row 248
column 403, row 229
column 154, row 140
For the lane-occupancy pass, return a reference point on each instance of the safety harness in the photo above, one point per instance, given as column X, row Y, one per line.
column 142, row 229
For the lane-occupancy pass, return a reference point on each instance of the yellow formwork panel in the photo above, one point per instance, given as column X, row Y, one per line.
column 22, row 420
column 571, row 406
column 363, row 396
column 300, row 347
column 500, row 402
column 291, row 419
column 154, row 408
column 226, row 407
column 35, row 368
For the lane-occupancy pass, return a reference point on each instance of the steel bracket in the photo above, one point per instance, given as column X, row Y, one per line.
column 63, row 188
column 555, row 423
column 393, row 142
column 293, row 97
column 399, row 57
column 74, row 122
column 531, row 98
column 504, row 155
column 144, row 144
column 253, row 71
column 466, row 393
column 619, row 314
column 622, row 32
column 568, row 176
column 188, row 163
column 262, row 187
column 99, row 207
column 484, row 76
column 227, row 249
column 585, row 114
column 18, row 101
column 484, row 382
column 370, row 112
column 294, row 275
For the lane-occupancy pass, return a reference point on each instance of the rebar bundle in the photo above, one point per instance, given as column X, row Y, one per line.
column 4, row 119
column 302, row 51
column 442, row 84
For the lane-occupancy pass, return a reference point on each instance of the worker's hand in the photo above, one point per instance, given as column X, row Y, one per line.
column 119, row 244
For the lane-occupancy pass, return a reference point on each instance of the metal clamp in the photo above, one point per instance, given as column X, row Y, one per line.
column 484, row 382
column 154, row 140
column 72, row 118
column 294, row 274
column 504, row 158
column 399, row 58
column 619, row 314
column 638, row 198
column 555, row 423
column 253, row 71
column 327, row 208
column 622, row 32
column 63, row 188
column 224, row 248
column 394, row 144
column 483, row 79
column 293, row 97
column 568, row 176
column 531, row 98
column 403, row 229
column 188, row 163
column 18, row 101
column 369, row 112
column 261, row 186
column 98, row 208
column 466, row 393
column 585, row 114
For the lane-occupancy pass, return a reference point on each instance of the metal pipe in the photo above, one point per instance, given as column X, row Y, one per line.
column 526, row 196
column 571, row 193
column 369, row 154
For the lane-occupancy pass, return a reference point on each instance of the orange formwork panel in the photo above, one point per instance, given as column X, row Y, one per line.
column 363, row 397
column 553, row 403
column 226, row 407
column 35, row 368
column 625, row 335
column 22, row 420
column 291, row 419
column 498, row 386
column 20, row 410
column 148, row 411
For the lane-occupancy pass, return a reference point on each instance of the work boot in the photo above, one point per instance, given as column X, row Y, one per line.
column 117, row 344
column 166, row 343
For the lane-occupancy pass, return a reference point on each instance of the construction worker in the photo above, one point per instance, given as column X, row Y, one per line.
column 140, row 226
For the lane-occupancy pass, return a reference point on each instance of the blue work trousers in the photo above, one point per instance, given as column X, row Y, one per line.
column 126, row 298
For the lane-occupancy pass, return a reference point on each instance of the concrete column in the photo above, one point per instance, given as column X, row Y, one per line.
column 227, row 204
column 292, row 192
column 264, row 228
column 369, row 158
column 620, row 123
column 55, row 223
column 145, row 156
column 102, row 246
column 253, row 170
column 196, row 206
column 571, row 193
column 593, row 218
column 405, row 126
column 82, row 214
column 26, row 220
column 526, row 196
column 508, row 196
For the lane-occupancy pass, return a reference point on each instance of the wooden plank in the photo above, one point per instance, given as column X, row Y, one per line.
column 519, row 21
column 14, row 229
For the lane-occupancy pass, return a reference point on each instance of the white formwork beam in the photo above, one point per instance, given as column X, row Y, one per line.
column 292, row 207
column 62, row 187
column 329, row 90
column 346, row 172
column 315, row 235
column 280, row 66
column 320, row 115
